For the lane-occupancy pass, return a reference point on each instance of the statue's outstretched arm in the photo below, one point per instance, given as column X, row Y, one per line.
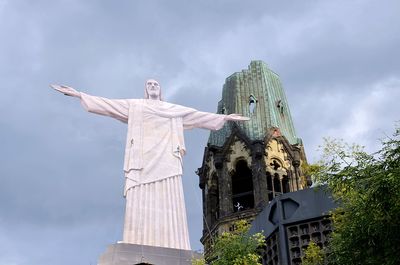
column 66, row 90
column 236, row 117
column 210, row 121
column 115, row 108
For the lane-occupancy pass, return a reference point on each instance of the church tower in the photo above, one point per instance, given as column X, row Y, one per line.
column 248, row 164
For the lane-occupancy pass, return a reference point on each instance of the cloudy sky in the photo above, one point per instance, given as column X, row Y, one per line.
column 61, row 168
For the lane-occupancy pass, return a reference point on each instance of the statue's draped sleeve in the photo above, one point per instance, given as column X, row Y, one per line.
column 115, row 108
column 191, row 118
column 204, row 120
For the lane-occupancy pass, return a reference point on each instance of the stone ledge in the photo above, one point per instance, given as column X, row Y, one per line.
column 132, row 254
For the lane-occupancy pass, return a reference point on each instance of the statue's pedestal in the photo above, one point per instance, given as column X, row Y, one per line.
column 132, row 254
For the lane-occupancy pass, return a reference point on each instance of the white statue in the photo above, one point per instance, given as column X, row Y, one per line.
column 155, row 211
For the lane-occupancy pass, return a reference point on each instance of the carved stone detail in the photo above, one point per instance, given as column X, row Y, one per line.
column 237, row 151
column 278, row 158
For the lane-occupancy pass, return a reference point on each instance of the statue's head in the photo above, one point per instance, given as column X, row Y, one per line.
column 152, row 90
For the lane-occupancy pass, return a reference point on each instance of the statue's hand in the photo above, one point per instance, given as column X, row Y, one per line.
column 236, row 117
column 66, row 90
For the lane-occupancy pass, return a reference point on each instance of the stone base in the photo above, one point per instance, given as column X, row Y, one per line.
column 132, row 254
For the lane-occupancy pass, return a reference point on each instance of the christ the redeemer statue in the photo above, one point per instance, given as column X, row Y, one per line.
column 155, row 213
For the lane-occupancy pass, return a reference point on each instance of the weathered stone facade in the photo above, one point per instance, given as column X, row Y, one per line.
column 248, row 164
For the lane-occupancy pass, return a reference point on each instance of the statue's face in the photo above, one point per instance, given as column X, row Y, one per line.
column 153, row 89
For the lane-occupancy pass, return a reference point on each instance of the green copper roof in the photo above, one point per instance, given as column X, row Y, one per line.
column 256, row 93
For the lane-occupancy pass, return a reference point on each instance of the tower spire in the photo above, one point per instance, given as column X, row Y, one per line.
column 255, row 92
column 246, row 165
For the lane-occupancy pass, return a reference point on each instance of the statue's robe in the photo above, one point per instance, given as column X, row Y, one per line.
column 155, row 209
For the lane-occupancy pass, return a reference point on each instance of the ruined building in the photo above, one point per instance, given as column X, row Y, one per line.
column 246, row 165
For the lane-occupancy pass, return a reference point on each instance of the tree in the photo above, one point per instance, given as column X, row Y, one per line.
column 367, row 187
column 236, row 247
column 313, row 255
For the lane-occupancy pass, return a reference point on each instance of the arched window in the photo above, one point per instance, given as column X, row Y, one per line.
column 277, row 184
column 252, row 104
column 242, row 187
column 213, row 199
column 285, row 184
column 280, row 105
column 223, row 110
column 270, row 189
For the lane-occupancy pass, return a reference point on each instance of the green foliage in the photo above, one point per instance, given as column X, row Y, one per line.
column 198, row 262
column 237, row 247
column 310, row 169
column 367, row 186
column 313, row 255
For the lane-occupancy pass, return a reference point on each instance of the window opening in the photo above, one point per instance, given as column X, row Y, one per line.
column 252, row 104
column 223, row 110
column 280, row 106
column 277, row 184
column 269, row 186
column 285, row 184
column 214, row 199
column 242, row 187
